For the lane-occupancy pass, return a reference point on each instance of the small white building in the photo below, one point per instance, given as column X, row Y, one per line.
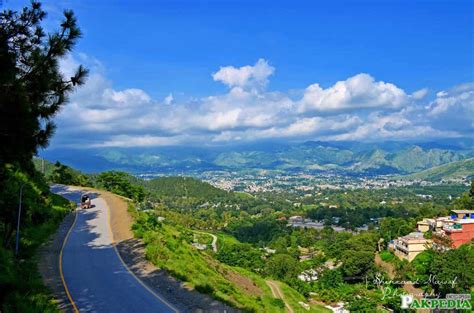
column 338, row 308
column 308, row 276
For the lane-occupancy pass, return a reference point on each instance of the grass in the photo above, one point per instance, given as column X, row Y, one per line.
column 223, row 239
column 387, row 256
column 167, row 246
column 293, row 298
column 203, row 238
column 21, row 287
column 168, row 249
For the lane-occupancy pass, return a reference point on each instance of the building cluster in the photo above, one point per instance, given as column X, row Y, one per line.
column 268, row 181
column 448, row 232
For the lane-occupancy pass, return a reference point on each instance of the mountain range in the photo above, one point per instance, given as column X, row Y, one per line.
column 312, row 156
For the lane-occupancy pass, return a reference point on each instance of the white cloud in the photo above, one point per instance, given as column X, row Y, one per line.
column 420, row 94
column 357, row 92
column 139, row 141
column 446, row 101
column 441, row 94
column 169, row 99
column 388, row 127
column 358, row 108
column 125, row 98
column 453, row 109
column 246, row 76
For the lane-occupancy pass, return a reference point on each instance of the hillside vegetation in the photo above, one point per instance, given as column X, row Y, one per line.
column 169, row 247
column 458, row 169
column 21, row 288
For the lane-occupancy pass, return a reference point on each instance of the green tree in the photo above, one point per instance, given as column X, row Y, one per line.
column 282, row 267
column 330, row 279
column 32, row 87
column 452, row 271
column 357, row 264
column 119, row 183
column 32, row 90
column 422, row 265
column 466, row 201
column 62, row 175
column 363, row 304
column 243, row 255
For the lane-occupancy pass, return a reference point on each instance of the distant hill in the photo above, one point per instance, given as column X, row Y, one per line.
column 458, row 169
column 312, row 156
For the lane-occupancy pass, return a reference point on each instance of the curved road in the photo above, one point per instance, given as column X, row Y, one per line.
column 96, row 278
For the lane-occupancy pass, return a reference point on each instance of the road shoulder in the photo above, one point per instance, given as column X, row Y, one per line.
column 48, row 263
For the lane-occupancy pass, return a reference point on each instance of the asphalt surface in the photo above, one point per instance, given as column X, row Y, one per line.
column 95, row 276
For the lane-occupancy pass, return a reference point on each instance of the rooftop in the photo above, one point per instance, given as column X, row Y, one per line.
column 463, row 211
column 465, row 221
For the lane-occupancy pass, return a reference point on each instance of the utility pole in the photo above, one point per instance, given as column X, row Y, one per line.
column 42, row 166
column 17, row 244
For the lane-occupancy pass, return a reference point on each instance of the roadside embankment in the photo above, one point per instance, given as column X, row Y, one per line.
column 132, row 252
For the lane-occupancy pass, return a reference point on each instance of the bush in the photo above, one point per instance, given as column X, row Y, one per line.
column 120, row 183
column 204, row 288
column 278, row 303
column 21, row 288
column 387, row 256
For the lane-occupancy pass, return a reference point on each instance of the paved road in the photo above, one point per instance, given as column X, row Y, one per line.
column 96, row 278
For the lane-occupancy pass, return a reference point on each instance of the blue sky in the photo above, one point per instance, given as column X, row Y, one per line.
column 162, row 48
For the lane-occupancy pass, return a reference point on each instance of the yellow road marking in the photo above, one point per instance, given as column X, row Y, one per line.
column 111, row 234
column 61, row 264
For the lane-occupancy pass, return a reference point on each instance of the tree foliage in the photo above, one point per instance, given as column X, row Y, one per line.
column 32, row 91
column 119, row 183
column 63, row 174
column 32, row 87
column 243, row 255
column 466, row 201
column 283, row 267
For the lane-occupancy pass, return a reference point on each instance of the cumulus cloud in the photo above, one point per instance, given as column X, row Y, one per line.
column 255, row 76
column 357, row 92
column 169, row 99
column 391, row 126
column 357, row 108
column 420, row 94
column 453, row 109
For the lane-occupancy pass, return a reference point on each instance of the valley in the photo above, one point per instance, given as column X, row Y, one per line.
column 310, row 244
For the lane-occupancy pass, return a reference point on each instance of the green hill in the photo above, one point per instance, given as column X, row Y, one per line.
column 458, row 169
column 170, row 247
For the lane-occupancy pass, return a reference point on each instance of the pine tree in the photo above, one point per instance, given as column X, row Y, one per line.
column 32, row 88
column 32, row 91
